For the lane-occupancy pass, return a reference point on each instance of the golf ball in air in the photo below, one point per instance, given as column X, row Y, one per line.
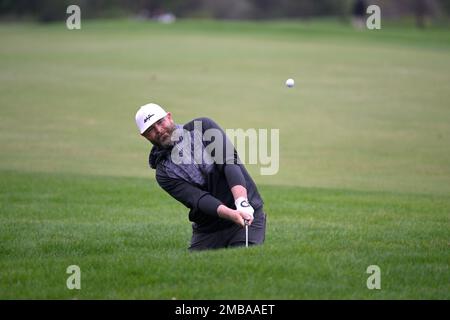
column 290, row 83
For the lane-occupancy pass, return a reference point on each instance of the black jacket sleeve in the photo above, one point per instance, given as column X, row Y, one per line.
column 189, row 195
column 234, row 175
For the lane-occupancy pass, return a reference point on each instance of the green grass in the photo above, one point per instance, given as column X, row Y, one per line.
column 130, row 241
column 367, row 113
column 364, row 160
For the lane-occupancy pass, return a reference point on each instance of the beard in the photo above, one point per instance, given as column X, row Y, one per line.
column 165, row 140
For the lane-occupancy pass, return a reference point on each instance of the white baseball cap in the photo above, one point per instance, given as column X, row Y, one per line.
column 147, row 115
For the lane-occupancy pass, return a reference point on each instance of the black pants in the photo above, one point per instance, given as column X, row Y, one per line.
column 233, row 236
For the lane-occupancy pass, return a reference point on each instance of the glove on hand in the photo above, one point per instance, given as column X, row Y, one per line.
column 242, row 205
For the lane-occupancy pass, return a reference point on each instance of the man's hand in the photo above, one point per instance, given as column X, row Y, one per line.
column 230, row 214
column 245, row 209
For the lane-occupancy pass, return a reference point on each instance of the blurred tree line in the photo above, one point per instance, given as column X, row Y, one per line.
column 50, row 10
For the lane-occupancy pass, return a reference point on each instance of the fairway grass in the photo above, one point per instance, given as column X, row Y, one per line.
column 369, row 110
column 130, row 241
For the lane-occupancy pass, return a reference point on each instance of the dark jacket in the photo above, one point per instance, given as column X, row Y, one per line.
column 203, row 201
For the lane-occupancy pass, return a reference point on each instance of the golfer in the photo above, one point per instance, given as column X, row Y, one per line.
column 220, row 193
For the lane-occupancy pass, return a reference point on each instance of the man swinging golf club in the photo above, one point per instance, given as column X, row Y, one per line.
column 226, row 209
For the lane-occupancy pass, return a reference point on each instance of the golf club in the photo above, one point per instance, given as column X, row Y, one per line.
column 246, row 233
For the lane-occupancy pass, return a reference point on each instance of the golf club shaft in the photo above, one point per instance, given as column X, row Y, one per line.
column 246, row 234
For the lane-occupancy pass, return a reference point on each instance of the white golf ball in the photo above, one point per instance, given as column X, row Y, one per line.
column 290, row 83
